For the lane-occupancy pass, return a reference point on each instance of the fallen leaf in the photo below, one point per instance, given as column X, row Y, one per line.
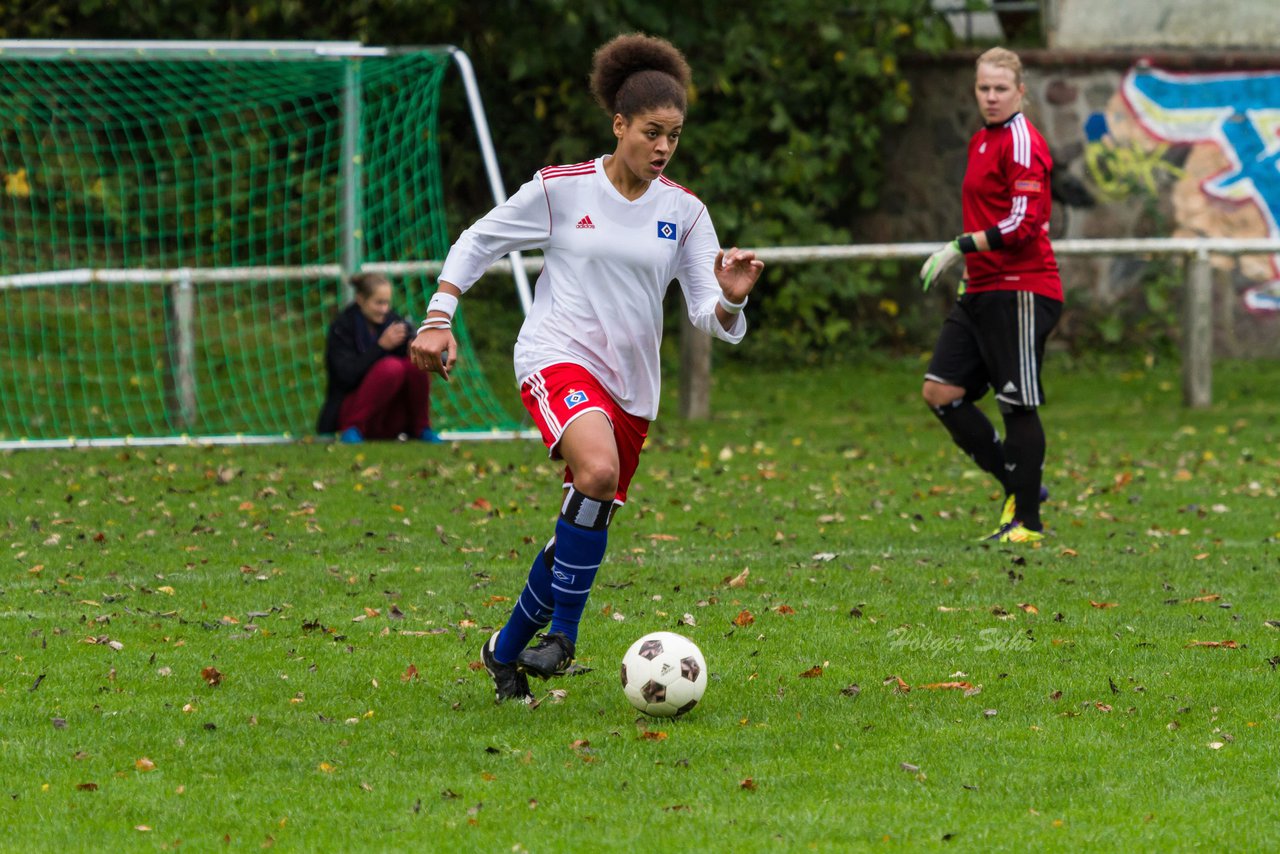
column 144, row 764
column 1029, row 608
column 946, row 686
column 648, row 735
column 1226, row 644
column 748, row 784
column 909, row 768
column 86, row 787
column 785, row 610
column 900, row 687
column 1212, row 597
column 743, row 619
column 211, row 676
column 1102, row 604
column 739, row 580
column 411, row 672
column 812, row 672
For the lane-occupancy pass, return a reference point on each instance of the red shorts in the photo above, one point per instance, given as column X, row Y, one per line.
column 557, row 395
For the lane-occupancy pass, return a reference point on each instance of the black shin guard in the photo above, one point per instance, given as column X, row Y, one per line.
column 975, row 435
column 1024, row 451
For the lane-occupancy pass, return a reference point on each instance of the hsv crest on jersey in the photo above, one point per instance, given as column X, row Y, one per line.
column 666, row 230
column 586, row 222
column 575, row 398
column 1026, row 186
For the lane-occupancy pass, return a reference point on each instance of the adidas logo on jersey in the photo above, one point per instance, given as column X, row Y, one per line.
column 586, row 222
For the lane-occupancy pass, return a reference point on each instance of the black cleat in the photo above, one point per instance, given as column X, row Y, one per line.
column 551, row 656
column 509, row 683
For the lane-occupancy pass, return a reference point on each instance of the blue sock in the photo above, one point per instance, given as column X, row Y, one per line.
column 532, row 610
column 581, row 537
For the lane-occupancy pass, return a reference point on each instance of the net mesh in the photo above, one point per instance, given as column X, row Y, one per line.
column 166, row 163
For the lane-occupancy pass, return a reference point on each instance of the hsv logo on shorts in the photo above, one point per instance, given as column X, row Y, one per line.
column 574, row 398
column 586, row 222
column 666, row 230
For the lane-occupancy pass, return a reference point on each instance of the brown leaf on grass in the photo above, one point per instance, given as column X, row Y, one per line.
column 899, row 686
column 739, row 580
column 1069, row 553
column 785, row 610
column 495, row 600
column 1103, row 604
column 144, row 764
column 947, row 686
column 481, row 504
column 650, row 735
column 812, row 672
column 410, row 673
column 744, row 619
column 663, row 538
column 1102, row 707
column 86, row 787
column 211, row 676
column 1212, row 597
column 851, row 690
column 1226, row 644
column 1029, row 608
column 748, row 784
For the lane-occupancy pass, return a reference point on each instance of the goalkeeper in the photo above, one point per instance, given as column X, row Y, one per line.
column 1010, row 301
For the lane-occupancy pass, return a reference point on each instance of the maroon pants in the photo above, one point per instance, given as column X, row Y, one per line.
column 393, row 398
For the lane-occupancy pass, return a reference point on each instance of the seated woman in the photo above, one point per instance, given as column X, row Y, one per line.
column 375, row 392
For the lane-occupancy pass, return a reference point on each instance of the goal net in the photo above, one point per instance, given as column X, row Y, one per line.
column 177, row 228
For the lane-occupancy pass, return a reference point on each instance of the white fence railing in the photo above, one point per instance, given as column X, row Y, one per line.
column 1197, row 363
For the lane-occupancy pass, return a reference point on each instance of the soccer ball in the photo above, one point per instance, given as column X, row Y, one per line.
column 664, row 674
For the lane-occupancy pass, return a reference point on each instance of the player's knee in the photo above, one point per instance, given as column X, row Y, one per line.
column 938, row 395
column 597, row 478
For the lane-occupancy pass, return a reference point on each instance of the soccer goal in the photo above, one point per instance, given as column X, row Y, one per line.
column 179, row 222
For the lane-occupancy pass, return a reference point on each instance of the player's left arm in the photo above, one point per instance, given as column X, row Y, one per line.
column 716, row 282
column 1028, row 211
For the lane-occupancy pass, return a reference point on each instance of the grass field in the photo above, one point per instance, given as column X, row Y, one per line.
column 208, row 648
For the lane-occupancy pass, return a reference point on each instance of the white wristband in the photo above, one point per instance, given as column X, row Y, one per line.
column 440, row 301
column 434, row 323
column 732, row 307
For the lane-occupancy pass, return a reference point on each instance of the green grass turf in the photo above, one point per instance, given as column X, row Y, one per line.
column 343, row 593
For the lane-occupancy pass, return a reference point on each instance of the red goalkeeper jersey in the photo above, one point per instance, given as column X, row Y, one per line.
column 1006, row 194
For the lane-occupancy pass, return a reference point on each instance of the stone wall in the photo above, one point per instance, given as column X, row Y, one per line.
column 1162, row 152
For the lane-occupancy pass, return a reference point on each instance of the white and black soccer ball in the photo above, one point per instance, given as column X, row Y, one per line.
column 664, row 674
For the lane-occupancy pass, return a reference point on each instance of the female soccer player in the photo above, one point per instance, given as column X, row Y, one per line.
column 614, row 232
column 1010, row 300
column 374, row 390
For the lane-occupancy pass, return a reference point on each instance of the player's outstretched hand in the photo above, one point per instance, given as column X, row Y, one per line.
column 434, row 351
column 939, row 262
column 737, row 271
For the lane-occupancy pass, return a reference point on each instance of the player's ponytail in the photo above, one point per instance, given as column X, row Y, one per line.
column 635, row 73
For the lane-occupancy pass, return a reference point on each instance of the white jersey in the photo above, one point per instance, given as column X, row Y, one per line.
column 608, row 262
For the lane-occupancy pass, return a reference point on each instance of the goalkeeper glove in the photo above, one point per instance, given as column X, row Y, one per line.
column 939, row 262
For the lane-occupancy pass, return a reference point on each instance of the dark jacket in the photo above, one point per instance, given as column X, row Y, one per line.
column 349, row 352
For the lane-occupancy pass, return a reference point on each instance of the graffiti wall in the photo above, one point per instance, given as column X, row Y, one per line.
column 1149, row 151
